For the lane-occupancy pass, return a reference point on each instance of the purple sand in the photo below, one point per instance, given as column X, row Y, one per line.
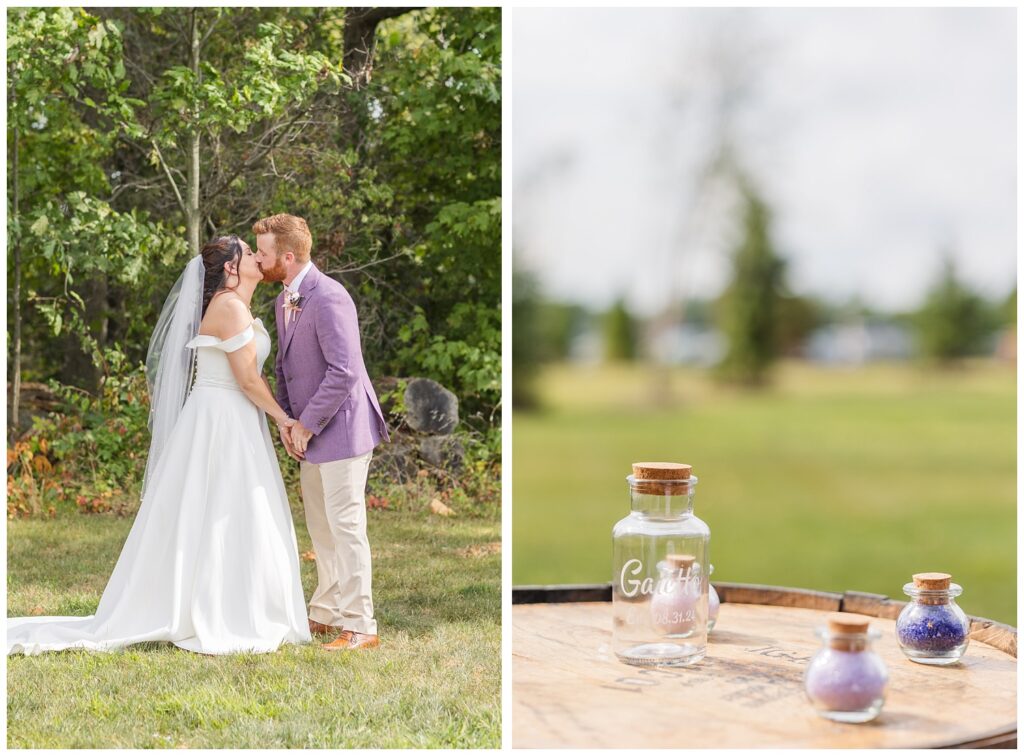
column 713, row 603
column 933, row 628
column 846, row 680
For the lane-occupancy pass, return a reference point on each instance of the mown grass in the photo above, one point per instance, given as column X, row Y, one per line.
column 434, row 682
column 832, row 480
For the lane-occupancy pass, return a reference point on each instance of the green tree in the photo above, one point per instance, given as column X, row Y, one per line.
column 66, row 108
column 526, row 356
column 749, row 307
column 407, row 183
column 797, row 317
column 558, row 324
column 1009, row 309
column 620, row 333
column 953, row 322
column 218, row 90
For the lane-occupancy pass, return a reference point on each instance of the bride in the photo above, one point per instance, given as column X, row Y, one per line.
column 211, row 562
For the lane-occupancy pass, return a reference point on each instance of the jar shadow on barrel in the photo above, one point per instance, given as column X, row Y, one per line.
column 965, row 664
column 732, row 638
column 896, row 719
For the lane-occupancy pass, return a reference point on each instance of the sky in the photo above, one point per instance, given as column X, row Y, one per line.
column 878, row 137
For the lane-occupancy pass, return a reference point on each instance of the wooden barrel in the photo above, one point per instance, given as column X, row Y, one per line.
column 569, row 690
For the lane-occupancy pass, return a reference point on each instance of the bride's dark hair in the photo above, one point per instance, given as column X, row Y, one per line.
column 215, row 253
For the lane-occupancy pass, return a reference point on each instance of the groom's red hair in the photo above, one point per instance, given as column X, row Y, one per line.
column 290, row 232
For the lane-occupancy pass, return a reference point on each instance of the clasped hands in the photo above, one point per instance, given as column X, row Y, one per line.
column 295, row 437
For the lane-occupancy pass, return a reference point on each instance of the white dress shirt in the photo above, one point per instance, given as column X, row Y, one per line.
column 297, row 281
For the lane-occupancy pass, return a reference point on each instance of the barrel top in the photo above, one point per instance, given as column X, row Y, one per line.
column 569, row 690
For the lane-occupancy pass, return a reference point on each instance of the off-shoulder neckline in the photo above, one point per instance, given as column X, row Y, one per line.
column 218, row 338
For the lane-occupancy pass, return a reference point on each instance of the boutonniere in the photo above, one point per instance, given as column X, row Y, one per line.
column 293, row 300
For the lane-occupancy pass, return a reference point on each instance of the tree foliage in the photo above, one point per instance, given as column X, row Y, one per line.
column 131, row 129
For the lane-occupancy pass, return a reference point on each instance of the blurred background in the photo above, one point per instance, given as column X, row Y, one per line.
column 778, row 245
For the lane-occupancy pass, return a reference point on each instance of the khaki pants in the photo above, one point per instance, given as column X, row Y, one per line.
column 334, row 497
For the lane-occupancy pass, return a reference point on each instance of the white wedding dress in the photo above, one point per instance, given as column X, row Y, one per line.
column 211, row 563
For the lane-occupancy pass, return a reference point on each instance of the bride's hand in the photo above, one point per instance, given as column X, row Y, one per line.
column 284, row 428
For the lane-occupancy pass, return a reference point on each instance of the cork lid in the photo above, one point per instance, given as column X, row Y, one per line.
column 660, row 478
column 845, row 623
column 932, row 581
column 661, row 471
column 680, row 561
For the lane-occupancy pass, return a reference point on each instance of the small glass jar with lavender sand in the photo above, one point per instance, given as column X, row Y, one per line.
column 932, row 629
column 675, row 597
column 846, row 680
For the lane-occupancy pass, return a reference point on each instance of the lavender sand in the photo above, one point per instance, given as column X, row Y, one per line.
column 846, row 681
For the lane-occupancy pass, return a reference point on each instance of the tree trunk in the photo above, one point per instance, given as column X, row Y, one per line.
column 193, row 218
column 361, row 40
column 16, row 380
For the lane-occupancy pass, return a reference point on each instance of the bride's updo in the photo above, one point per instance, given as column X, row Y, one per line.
column 223, row 249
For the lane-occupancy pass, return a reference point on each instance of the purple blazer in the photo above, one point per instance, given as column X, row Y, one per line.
column 321, row 378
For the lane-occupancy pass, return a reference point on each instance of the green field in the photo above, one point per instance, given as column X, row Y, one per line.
column 833, row 480
column 434, row 682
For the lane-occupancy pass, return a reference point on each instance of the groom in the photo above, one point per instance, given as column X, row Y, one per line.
column 322, row 382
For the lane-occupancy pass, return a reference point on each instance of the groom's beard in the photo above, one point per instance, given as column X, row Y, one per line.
column 277, row 273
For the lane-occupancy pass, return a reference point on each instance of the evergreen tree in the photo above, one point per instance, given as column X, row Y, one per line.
column 749, row 307
column 525, row 357
column 619, row 333
column 954, row 322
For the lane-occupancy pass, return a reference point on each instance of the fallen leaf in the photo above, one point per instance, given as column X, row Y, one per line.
column 308, row 556
column 439, row 508
column 376, row 502
column 36, row 611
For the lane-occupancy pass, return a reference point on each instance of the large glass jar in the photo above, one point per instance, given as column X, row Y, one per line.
column 845, row 681
column 932, row 629
column 660, row 569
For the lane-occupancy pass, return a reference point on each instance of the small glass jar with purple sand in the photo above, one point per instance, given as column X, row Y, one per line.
column 846, row 680
column 714, row 604
column 932, row 629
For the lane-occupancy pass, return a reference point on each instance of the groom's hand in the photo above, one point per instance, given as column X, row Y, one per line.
column 300, row 437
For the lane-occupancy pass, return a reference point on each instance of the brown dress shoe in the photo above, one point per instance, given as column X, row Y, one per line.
column 350, row 641
column 319, row 628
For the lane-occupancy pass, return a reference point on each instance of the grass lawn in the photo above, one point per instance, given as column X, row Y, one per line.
column 834, row 480
column 434, row 682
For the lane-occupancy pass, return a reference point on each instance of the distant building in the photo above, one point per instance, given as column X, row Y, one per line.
column 704, row 346
column 1006, row 345
column 857, row 343
column 685, row 344
column 586, row 346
